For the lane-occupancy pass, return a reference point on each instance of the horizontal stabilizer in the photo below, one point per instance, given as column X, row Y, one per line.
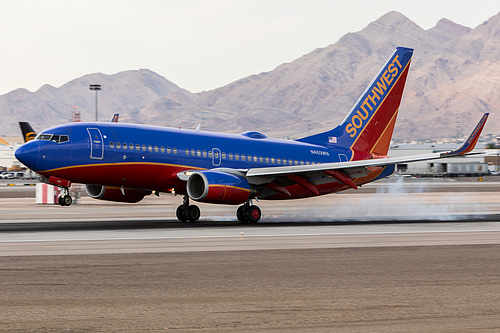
column 471, row 141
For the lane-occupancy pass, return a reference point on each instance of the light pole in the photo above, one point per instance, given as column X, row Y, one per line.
column 95, row 87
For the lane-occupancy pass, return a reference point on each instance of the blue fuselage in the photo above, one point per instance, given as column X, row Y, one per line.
column 149, row 157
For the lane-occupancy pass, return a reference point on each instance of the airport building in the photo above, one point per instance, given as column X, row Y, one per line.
column 476, row 165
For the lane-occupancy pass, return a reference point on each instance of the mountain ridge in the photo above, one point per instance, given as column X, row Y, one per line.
column 451, row 81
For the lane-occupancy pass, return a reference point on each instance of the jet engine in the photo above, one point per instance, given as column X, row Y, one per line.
column 115, row 193
column 218, row 187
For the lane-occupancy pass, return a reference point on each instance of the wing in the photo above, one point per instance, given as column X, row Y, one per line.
column 314, row 178
column 346, row 172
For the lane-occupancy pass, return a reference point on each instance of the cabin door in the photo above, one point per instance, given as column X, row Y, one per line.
column 96, row 143
column 216, row 158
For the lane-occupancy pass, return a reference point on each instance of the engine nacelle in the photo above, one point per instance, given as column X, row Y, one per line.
column 218, row 187
column 114, row 193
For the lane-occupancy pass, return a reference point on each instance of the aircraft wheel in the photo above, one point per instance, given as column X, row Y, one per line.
column 68, row 200
column 193, row 213
column 65, row 200
column 253, row 214
column 181, row 213
column 241, row 214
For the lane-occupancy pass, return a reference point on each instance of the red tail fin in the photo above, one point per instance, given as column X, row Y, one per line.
column 369, row 125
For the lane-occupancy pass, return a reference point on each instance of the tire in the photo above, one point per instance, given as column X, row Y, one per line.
column 241, row 214
column 67, row 200
column 181, row 214
column 60, row 200
column 253, row 214
column 193, row 213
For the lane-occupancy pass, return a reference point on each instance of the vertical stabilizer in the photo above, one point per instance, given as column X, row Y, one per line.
column 27, row 130
column 369, row 125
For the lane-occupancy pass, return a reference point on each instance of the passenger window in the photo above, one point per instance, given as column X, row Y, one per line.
column 296, row 162
column 150, row 148
column 230, row 156
column 204, row 153
column 261, row 159
column 156, row 149
column 169, row 150
column 278, row 160
column 193, row 153
column 162, row 149
column 290, row 162
column 301, row 162
column 124, row 146
column 243, row 157
column 118, row 145
column 198, row 153
column 210, row 153
column 237, row 157
column 273, row 160
column 187, row 152
column 137, row 147
column 131, row 146
column 175, row 150
column 223, row 156
column 255, row 158
column 112, row 144
column 143, row 147
column 267, row 159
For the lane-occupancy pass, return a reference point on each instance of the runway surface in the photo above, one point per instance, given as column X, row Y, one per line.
column 410, row 257
column 220, row 237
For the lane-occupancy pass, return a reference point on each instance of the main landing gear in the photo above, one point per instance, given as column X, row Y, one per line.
column 188, row 212
column 65, row 199
column 248, row 213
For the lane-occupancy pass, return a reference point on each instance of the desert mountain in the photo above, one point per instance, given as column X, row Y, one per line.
column 452, row 81
column 126, row 93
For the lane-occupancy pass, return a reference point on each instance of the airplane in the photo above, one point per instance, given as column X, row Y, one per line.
column 125, row 162
column 28, row 131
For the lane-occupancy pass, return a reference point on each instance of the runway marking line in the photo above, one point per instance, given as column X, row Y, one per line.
column 239, row 236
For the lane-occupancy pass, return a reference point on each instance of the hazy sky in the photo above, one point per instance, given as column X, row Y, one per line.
column 198, row 44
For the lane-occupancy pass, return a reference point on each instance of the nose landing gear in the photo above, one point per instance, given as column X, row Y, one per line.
column 65, row 199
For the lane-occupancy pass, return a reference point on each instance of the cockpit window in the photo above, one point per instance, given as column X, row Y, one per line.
column 44, row 137
column 54, row 138
column 60, row 138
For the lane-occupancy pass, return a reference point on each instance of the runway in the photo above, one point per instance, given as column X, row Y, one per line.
column 242, row 238
column 415, row 257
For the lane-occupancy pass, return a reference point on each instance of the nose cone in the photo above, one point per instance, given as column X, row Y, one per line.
column 27, row 154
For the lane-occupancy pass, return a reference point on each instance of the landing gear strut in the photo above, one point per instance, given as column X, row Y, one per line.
column 187, row 212
column 65, row 199
column 248, row 213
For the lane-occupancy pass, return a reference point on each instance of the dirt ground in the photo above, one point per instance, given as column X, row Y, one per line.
column 401, row 289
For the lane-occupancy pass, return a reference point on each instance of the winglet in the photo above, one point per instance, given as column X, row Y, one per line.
column 471, row 141
column 115, row 118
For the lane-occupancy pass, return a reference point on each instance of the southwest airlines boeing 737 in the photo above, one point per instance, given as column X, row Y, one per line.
column 125, row 162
